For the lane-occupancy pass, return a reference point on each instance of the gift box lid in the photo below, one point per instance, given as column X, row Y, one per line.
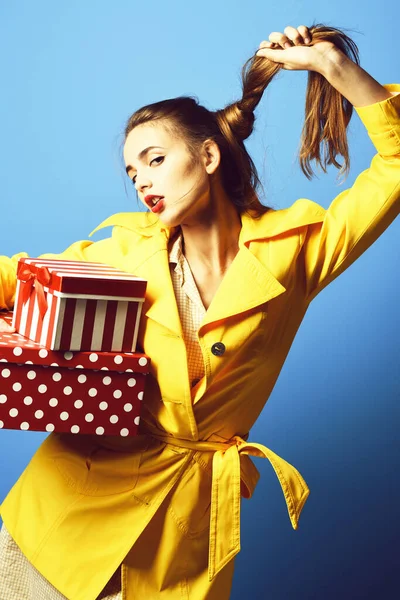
column 15, row 348
column 80, row 277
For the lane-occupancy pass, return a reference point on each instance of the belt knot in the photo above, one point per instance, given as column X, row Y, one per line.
column 233, row 472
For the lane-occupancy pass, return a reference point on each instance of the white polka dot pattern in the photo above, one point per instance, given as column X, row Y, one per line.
column 90, row 403
column 43, row 390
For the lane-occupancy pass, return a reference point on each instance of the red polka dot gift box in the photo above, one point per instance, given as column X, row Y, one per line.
column 70, row 392
column 71, row 305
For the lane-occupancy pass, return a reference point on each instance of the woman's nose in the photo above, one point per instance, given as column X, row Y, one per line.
column 142, row 183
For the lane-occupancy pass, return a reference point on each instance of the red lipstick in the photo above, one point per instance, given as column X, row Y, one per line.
column 157, row 207
column 149, row 200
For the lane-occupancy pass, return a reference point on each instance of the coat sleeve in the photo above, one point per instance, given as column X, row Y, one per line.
column 360, row 214
column 84, row 250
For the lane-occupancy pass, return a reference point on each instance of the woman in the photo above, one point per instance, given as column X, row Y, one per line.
column 229, row 282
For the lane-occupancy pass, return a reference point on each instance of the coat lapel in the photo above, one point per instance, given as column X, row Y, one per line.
column 160, row 303
column 246, row 284
column 148, row 258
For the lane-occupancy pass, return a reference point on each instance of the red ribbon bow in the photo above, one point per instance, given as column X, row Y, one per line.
column 40, row 279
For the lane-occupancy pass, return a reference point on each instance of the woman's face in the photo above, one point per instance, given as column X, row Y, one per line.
column 159, row 164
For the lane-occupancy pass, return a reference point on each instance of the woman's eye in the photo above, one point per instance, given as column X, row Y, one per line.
column 159, row 158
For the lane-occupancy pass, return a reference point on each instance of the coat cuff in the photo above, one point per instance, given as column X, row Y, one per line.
column 382, row 121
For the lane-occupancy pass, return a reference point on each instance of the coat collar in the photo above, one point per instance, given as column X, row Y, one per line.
column 272, row 223
column 145, row 224
column 248, row 283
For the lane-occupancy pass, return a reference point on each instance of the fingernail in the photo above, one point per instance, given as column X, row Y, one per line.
column 288, row 45
column 307, row 40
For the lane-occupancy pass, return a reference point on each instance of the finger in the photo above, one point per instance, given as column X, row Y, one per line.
column 5, row 328
column 265, row 44
column 268, row 46
column 294, row 35
column 280, row 39
column 305, row 32
column 273, row 54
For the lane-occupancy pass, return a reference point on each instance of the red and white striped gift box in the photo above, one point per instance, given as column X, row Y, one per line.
column 81, row 306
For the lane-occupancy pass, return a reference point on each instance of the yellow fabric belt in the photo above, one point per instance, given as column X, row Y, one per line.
column 233, row 474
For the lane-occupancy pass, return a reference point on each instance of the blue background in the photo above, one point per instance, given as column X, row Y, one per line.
column 72, row 73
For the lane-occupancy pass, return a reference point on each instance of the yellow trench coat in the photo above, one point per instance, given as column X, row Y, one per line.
column 168, row 505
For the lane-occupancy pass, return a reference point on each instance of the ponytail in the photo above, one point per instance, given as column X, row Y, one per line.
column 327, row 112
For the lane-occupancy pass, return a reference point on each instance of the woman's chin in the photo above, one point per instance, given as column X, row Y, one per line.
column 169, row 220
column 170, row 217
column 184, row 214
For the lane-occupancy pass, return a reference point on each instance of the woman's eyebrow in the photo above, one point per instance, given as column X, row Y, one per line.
column 142, row 154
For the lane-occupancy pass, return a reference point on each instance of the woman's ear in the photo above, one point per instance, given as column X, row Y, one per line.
column 211, row 156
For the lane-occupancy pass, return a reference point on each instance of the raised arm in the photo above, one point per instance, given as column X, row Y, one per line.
column 360, row 214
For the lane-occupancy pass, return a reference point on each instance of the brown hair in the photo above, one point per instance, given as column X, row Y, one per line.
column 327, row 115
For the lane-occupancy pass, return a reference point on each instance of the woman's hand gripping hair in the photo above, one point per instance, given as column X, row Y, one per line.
column 327, row 111
column 296, row 50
